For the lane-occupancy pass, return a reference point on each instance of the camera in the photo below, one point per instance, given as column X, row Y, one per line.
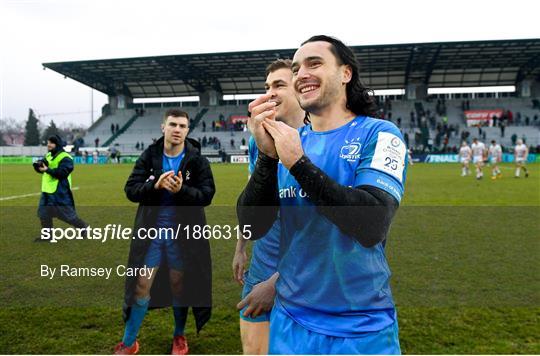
column 38, row 164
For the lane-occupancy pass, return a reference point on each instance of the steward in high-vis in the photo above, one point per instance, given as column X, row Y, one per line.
column 56, row 197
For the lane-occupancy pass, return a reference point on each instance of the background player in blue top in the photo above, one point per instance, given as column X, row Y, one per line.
column 259, row 281
column 338, row 188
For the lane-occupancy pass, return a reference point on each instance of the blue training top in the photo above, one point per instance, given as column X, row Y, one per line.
column 329, row 283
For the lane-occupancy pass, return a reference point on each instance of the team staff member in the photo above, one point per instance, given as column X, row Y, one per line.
column 172, row 182
column 339, row 186
column 56, row 196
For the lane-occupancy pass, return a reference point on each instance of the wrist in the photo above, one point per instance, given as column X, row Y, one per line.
column 240, row 246
column 270, row 283
column 297, row 166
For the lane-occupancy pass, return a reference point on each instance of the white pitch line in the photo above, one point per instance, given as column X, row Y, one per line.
column 27, row 195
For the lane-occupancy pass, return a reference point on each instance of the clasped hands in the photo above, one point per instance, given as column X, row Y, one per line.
column 274, row 138
column 170, row 182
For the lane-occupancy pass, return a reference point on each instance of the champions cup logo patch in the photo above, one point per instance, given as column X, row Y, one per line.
column 351, row 150
column 389, row 155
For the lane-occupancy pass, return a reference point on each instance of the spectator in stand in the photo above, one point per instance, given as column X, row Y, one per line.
column 137, row 146
column 514, row 139
column 494, row 120
column 527, row 120
column 232, row 143
column 213, row 126
column 112, row 129
column 96, row 141
column 445, row 143
column 502, row 125
column 399, row 122
column 204, row 126
column 417, row 138
column 387, row 104
column 438, row 139
column 243, row 141
column 504, row 117
column 116, row 128
column 412, row 119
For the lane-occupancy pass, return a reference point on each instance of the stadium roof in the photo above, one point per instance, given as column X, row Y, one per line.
column 445, row 64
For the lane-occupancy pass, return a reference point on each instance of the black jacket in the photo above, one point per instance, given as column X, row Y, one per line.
column 197, row 192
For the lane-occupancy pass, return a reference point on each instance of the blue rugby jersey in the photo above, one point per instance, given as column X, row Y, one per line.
column 265, row 252
column 166, row 216
column 329, row 283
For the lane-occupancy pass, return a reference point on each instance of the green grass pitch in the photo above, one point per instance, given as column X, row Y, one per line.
column 464, row 254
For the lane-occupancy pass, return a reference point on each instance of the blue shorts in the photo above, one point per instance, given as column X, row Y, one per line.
column 289, row 337
column 248, row 286
column 164, row 245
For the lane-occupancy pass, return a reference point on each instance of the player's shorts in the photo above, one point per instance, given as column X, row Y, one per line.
column 520, row 160
column 465, row 160
column 478, row 159
column 493, row 160
column 164, row 246
column 249, row 283
column 289, row 337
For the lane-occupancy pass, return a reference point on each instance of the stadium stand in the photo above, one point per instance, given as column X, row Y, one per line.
column 142, row 125
column 214, row 124
column 434, row 123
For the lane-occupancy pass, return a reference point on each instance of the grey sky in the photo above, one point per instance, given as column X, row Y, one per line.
column 38, row 31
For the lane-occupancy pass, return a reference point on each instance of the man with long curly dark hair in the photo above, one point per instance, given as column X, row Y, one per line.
column 340, row 183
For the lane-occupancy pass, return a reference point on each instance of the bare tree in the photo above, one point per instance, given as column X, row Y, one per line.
column 11, row 130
